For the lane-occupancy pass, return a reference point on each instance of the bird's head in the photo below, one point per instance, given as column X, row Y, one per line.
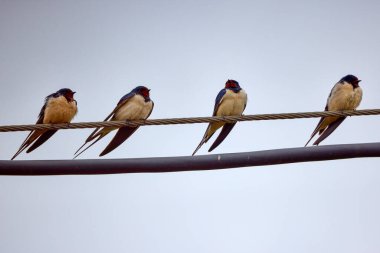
column 232, row 85
column 143, row 91
column 67, row 93
column 351, row 79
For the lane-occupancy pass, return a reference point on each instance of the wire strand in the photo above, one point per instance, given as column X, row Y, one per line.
column 192, row 120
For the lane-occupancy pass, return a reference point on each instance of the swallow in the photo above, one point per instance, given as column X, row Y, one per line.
column 135, row 105
column 59, row 107
column 230, row 101
column 345, row 95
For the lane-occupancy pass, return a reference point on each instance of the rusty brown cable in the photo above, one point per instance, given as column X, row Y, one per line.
column 192, row 120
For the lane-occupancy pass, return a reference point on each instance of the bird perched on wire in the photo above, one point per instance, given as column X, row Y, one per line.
column 59, row 107
column 136, row 105
column 230, row 101
column 345, row 95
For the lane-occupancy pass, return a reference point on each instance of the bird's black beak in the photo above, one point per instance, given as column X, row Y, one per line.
column 359, row 81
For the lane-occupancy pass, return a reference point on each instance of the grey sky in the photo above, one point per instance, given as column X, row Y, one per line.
column 286, row 55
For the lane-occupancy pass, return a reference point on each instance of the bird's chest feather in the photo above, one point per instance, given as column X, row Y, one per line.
column 59, row 110
column 344, row 97
column 232, row 103
column 135, row 108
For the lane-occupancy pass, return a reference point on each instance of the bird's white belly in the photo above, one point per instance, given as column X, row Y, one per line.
column 134, row 109
column 59, row 110
column 233, row 104
column 344, row 97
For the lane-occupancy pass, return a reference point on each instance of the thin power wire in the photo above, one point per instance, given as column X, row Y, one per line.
column 193, row 120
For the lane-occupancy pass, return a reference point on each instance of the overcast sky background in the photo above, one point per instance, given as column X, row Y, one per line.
column 287, row 55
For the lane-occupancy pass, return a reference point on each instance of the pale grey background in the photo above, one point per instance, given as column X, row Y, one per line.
column 286, row 54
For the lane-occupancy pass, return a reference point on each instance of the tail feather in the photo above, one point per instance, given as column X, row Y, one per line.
column 203, row 141
column 311, row 137
column 316, row 130
column 205, row 138
column 43, row 137
column 329, row 130
column 99, row 137
column 84, row 144
column 223, row 134
column 121, row 135
column 18, row 152
column 95, row 134
column 32, row 136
